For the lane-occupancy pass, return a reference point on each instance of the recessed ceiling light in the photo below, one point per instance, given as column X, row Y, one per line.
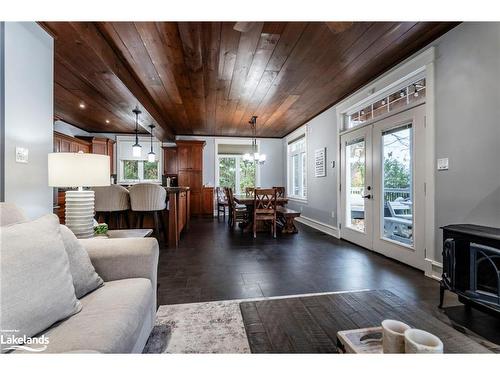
column 82, row 105
column 107, row 121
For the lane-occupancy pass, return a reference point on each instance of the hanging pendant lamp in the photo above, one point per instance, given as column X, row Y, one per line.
column 136, row 148
column 151, row 154
column 255, row 156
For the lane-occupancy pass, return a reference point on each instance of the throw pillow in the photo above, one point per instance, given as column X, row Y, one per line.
column 36, row 286
column 85, row 279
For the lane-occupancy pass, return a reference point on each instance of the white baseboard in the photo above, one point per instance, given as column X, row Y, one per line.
column 433, row 269
column 322, row 227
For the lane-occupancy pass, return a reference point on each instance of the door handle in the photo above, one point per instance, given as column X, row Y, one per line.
column 367, row 196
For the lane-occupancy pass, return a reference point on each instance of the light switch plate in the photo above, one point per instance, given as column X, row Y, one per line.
column 21, row 155
column 442, row 164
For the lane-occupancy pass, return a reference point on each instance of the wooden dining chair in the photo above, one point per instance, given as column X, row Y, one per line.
column 249, row 191
column 264, row 209
column 222, row 202
column 280, row 191
column 237, row 213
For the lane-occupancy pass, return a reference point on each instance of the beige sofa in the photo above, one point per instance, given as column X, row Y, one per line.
column 119, row 316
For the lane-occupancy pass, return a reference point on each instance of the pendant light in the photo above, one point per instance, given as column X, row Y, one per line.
column 151, row 155
column 255, row 156
column 136, row 148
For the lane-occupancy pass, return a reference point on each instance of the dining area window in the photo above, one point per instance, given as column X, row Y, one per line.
column 297, row 168
column 134, row 169
column 233, row 171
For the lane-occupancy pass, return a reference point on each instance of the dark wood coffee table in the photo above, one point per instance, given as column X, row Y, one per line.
column 310, row 324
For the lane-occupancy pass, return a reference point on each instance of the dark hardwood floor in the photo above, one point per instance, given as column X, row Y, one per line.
column 214, row 263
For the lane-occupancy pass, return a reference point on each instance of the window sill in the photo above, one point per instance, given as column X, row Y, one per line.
column 297, row 199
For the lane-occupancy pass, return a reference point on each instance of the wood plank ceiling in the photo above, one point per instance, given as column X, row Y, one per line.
column 207, row 78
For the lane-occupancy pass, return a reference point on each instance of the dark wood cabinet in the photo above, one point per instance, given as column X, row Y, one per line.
column 170, row 161
column 189, row 155
column 65, row 143
column 207, row 201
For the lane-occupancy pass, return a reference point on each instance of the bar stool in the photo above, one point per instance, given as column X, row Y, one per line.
column 112, row 202
column 149, row 199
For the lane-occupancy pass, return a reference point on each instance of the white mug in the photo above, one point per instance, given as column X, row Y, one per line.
column 418, row 341
column 393, row 338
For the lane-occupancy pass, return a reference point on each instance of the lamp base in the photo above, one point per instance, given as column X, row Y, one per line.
column 80, row 212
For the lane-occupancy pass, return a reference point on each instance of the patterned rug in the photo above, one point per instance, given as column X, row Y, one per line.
column 205, row 327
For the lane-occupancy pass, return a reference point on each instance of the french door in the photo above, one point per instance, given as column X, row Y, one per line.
column 382, row 186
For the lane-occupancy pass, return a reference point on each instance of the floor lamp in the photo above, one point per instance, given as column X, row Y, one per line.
column 68, row 169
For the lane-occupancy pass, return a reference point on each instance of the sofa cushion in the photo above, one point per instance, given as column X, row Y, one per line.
column 85, row 279
column 11, row 214
column 110, row 321
column 36, row 284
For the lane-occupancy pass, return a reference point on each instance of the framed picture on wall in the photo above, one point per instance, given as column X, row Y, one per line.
column 320, row 162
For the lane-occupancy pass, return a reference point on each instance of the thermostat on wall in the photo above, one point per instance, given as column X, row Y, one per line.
column 21, row 155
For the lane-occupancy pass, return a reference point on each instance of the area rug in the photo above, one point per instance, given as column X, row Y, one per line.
column 205, row 327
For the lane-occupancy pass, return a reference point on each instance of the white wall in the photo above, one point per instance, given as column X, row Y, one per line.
column 29, row 106
column 468, row 126
column 321, row 191
column 271, row 172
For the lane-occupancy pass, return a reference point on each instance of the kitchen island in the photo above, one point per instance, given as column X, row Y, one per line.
column 178, row 213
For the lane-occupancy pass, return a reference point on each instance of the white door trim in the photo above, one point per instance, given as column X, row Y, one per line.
column 424, row 59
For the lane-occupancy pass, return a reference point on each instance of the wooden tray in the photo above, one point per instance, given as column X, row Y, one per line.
column 348, row 341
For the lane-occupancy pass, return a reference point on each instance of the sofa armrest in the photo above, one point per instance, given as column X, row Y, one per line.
column 124, row 258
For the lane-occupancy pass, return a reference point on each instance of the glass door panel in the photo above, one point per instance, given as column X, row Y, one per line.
column 397, row 181
column 355, row 184
column 356, row 187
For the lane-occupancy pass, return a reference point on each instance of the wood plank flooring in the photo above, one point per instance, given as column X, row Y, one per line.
column 214, row 263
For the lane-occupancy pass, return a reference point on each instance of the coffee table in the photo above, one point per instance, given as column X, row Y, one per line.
column 127, row 233
column 310, row 324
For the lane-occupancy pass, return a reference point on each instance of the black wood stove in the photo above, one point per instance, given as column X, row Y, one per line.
column 471, row 265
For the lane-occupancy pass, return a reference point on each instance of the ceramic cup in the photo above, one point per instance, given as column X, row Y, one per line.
column 393, row 338
column 418, row 341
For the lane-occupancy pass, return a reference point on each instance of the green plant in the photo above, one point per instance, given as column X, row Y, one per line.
column 100, row 229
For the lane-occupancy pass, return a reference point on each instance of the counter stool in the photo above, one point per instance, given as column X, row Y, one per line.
column 149, row 199
column 112, row 203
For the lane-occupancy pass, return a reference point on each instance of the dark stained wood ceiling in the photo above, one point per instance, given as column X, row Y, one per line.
column 207, row 78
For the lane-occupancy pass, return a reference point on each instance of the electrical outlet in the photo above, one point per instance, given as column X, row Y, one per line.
column 21, row 155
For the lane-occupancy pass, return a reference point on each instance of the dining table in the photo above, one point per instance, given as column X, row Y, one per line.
column 248, row 201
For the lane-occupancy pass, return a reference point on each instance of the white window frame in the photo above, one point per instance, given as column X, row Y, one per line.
column 145, row 142
column 233, row 141
column 291, row 138
column 237, row 178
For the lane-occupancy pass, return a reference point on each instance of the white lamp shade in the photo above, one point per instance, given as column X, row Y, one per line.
column 136, row 150
column 151, row 157
column 68, row 169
